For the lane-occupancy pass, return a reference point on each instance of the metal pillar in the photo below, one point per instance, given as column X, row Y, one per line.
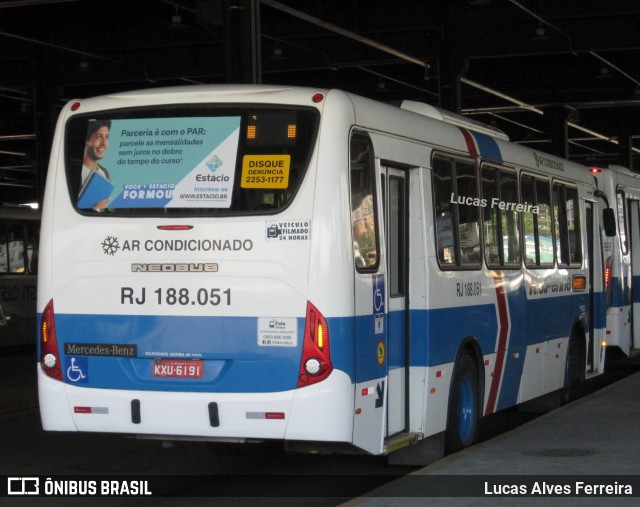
column 555, row 120
column 242, row 41
column 625, row 153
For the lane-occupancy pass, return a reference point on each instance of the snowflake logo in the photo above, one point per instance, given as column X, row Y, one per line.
column 110, row 245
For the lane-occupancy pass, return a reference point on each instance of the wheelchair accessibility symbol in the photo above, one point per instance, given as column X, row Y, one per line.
column 378, row 293
column 77, row 370
column 378, row 303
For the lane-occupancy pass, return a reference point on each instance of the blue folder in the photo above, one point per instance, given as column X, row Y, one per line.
column 95, row 189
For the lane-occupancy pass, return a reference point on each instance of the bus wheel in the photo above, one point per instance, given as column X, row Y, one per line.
column 571, row 373
column 462, row 418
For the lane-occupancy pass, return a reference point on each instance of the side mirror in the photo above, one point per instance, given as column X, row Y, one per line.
column 609, row 222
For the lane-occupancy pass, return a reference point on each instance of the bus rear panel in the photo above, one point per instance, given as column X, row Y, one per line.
column 176, row 297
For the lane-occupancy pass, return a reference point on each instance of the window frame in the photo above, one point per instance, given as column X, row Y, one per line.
column 623, row 224
column 74, row 140
column 546, row 181
column 502, row 263
column 373, row 181
column 563, row 236
column 459, row 264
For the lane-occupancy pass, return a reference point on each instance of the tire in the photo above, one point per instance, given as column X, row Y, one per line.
column 571, row 373
column 463, row 411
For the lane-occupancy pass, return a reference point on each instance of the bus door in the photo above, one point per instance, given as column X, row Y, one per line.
column 591, row 259
column 370, row 305
column 395, row 204
column 634, row 247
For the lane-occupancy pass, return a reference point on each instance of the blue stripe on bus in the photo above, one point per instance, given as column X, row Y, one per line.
column 234, row 362
column 449, row 326
column 635, row 289
column 624, row 294
column 488, row 147
column 619, row 294
column 599, row 311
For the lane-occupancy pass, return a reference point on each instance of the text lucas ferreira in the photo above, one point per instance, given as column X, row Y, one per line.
column 494, row 202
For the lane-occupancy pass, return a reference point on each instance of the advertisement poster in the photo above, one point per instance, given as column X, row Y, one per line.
column 160, row 162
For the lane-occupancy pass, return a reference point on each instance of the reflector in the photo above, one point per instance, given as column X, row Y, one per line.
column 315, row 364
column 48, row 344
column 579, row 282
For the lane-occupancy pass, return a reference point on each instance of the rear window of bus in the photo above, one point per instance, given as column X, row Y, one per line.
column 199, row 159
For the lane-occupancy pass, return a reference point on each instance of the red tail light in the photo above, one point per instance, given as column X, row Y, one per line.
column 315, row 365
column 49, row 357
column 607, row 273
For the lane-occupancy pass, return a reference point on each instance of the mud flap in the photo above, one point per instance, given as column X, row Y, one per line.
column 369, row 418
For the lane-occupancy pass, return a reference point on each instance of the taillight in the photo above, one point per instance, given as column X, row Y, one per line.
column 607, row 273
column 49, row 357
column 316, row 358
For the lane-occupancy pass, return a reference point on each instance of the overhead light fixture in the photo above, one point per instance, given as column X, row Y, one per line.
column 277, row 54
column 381, row 87
column 176, row 21
column 540, row 34
column 427, row 76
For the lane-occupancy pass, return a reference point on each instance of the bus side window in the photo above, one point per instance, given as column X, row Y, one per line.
column 444, row 211
column 363, row 203
column 567, row 221
column 573, row 226
column 455, row 194
column 622, row 220
column 15, row 242
column 502, row 231
column 468, row 215
column 538, row 234
column 33, row 240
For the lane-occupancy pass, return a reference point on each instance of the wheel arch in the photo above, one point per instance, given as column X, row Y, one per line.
column 470, row 346
column 467, row 382
column 578, row 338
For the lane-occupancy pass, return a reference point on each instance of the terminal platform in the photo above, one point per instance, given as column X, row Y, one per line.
column 594, row 437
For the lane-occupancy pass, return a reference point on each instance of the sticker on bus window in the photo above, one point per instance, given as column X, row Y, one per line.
column 265, row 171
column 159, row 162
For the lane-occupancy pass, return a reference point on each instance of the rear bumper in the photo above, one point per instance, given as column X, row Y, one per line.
column 321, row 412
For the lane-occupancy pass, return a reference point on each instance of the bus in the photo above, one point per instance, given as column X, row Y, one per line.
column 265, row 263
column 19, row 237
column 622, row 258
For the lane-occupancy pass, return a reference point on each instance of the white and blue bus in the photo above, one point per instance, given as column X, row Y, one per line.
column 249, row 263
column 622, row 258
column 19, row 238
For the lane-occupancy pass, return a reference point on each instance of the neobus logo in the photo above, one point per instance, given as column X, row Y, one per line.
column 203, row 267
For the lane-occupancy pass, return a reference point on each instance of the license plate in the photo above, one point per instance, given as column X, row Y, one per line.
column 177, row 368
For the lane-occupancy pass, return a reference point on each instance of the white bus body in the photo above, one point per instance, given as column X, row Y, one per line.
column 622, row 258
column 363, row 286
